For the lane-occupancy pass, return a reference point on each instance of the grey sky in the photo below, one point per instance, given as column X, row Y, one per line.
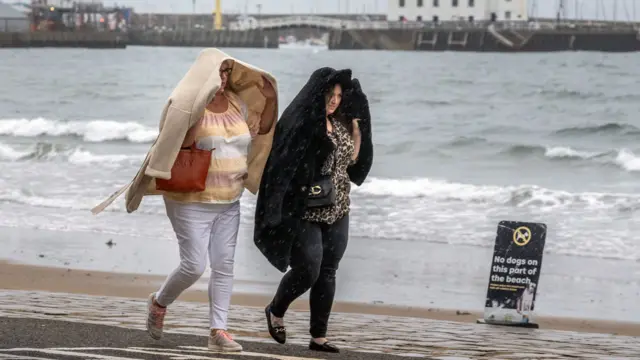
column 546, row 8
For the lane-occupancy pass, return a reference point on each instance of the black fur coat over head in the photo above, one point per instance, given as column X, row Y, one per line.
column 300, row 147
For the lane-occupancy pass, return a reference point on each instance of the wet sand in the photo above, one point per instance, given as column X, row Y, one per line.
column 15, row 276
column 416, row 274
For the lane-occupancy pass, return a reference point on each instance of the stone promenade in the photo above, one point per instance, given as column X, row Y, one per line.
column 361, row 333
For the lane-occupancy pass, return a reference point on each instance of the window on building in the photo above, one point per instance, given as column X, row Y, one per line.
column 401, row 18
column 420, row 4
column 472, row 3
column 454, row 3
column 507, row 15
column 401, row 3
column 436, row 3
column 419, row 18
column 435, row 18
column 470, row 18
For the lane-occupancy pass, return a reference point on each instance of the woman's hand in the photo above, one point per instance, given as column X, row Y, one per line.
column 267, row 118
column 267, row 89
column 357, row 139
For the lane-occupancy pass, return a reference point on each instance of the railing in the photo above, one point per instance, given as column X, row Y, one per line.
column 333, row 23
column 315, row 21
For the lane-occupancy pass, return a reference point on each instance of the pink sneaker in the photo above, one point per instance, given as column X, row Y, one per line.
column 221, row 341
column 155, row 318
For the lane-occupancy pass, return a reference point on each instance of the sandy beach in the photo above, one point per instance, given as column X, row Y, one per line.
column 15, row 276
column 373, row 272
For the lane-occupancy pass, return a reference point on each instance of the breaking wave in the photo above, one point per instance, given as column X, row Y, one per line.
column 406, row 190
column 623, row 158
column 609, row 128
column 518, row 196
column 54, row 152
column 89, row 131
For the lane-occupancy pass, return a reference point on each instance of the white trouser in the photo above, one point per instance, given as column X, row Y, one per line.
column 201, row 228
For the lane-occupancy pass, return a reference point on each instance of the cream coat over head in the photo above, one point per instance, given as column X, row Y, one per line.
column 185, row 106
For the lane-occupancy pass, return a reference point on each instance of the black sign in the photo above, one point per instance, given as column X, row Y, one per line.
column 515, row 270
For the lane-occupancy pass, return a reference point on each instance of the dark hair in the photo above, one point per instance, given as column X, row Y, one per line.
column 339, row 114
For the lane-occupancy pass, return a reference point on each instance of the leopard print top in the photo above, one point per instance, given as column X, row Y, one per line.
column 336, row 166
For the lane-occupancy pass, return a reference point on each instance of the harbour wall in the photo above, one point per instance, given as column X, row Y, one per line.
column 67, row 39
column 487, row 39
column 205, row 38
column 120, row 40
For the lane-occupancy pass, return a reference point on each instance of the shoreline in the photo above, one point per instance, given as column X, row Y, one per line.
column 15, row 276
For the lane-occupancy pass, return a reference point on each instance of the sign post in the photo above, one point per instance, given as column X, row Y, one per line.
column 515, row 270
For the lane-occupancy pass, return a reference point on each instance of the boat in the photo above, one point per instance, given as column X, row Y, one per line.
column 291, row 42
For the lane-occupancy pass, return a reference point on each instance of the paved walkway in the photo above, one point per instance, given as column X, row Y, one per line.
column 362, row 333
column 40, row 339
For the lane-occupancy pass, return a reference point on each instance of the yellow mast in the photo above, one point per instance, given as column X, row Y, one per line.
column 217, row 21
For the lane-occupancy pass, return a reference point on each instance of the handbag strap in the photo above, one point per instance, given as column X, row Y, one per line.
column 190, row 147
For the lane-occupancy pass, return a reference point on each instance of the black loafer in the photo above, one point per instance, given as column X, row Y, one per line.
column 326, row 347
column 278, row 333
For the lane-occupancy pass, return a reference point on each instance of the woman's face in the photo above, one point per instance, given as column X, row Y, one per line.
column 333, row 99
column 225, row 71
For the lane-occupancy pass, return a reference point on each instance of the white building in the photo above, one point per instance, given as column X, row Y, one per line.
column 447, row 10
column 13, row 20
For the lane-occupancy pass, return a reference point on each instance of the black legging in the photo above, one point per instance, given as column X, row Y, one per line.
column 314, row 260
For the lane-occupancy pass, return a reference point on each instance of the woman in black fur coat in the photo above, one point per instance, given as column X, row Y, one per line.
column 322, row 143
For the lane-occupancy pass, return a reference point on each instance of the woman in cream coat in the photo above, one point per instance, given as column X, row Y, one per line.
column 230, row 107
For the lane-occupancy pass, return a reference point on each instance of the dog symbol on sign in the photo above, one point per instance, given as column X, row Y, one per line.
column 522, row 236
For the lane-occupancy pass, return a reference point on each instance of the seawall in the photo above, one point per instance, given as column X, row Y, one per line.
column 98, row 40
column 203, row 38
column 115, row 40
column 487, row 39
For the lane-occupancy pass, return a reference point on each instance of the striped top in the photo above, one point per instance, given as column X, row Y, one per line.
column 229, row 134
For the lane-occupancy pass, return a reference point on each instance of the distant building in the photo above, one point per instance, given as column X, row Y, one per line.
column 12, row 20
column 448, row 10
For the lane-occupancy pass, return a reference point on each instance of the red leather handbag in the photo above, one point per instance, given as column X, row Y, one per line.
column 189, row 171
